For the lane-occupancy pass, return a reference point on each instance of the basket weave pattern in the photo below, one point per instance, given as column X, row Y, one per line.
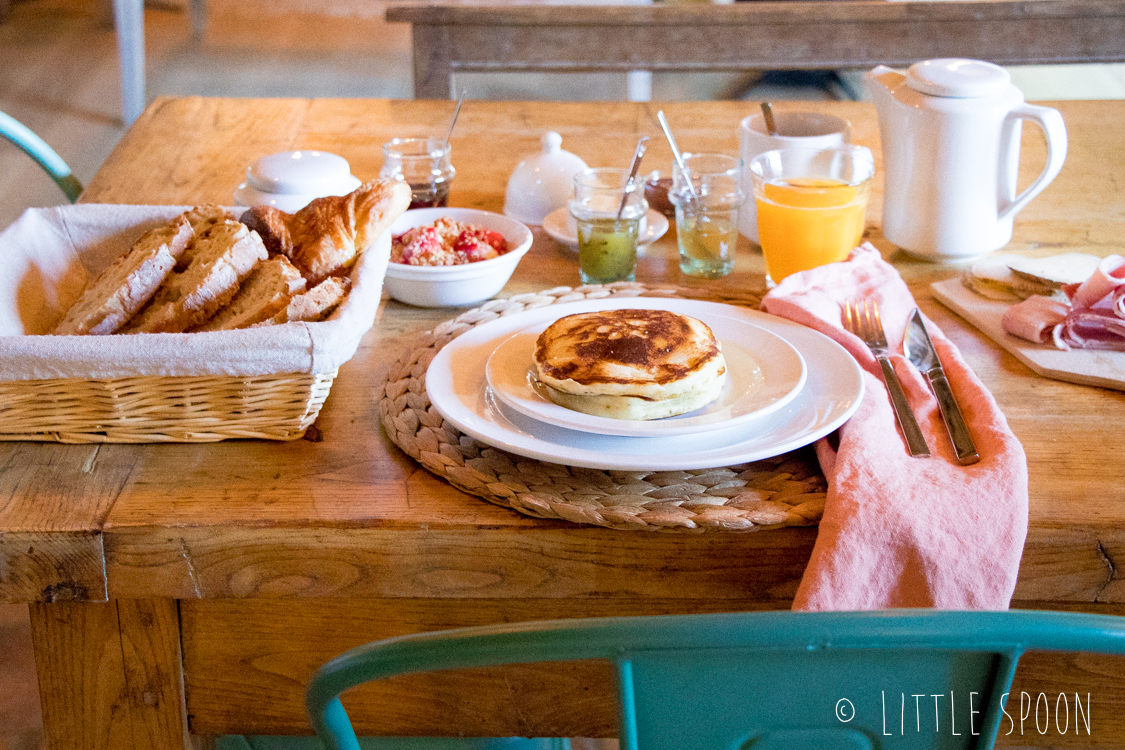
column 787, row 490
column 155, row 409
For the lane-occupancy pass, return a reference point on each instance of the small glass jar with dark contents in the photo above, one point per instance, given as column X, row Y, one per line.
column 424, row 164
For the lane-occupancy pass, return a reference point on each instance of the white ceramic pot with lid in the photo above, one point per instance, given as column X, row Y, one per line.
column 542, row 183
column 290, row 179
column 950, row 132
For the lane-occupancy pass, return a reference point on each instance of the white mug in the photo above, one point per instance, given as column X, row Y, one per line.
column 806, row 130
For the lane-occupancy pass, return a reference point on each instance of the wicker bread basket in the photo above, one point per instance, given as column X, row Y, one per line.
column 196, row 387
column 152, row 409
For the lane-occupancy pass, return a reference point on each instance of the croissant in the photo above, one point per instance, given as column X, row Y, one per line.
column 325, row 237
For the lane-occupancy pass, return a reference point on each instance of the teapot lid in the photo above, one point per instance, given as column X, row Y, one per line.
column 957, row 78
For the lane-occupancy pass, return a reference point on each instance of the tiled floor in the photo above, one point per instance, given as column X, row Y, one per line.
column 58, row 74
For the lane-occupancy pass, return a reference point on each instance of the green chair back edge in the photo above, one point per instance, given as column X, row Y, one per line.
column 35, row 147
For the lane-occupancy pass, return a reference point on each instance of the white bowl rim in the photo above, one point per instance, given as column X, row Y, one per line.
column 523, row 239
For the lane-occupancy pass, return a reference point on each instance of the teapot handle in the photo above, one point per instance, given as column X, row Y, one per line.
column 1051, row 121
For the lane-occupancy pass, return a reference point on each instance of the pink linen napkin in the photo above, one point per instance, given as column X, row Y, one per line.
column 899, row 531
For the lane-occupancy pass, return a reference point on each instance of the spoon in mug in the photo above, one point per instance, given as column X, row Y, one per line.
column 676, row 152
column 630, row 184
column 767, row 113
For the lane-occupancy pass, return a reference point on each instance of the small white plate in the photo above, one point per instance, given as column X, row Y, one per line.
column 764, row 373
column 455, row 383
column 560, row 225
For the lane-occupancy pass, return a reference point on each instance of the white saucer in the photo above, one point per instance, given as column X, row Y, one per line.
column 764, row 372
column 457, row 388
column 560, row 225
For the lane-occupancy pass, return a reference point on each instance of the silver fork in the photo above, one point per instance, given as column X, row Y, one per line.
column 866, row 324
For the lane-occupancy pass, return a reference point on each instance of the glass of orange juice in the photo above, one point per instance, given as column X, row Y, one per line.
column 811, row 205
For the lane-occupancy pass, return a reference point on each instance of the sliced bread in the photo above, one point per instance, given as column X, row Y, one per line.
column 129, row 282
column 1056, row 270
column 222, row 257
column 993, row 278
column 201, row 219
column 315, row 304
column 264, row 293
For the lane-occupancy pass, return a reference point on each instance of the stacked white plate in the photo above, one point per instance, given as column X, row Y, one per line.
column 787, row 386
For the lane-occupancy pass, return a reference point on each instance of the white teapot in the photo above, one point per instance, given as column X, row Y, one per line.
column 950, row 132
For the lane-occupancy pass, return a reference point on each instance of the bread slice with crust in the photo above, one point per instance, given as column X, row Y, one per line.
column 129, row 282
column 222, row 257
column 264, row 293
column 201, row 219
column 315, row 304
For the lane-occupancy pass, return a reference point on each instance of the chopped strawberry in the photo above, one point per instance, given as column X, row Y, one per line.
column 489, row 237
column 473, row 248
column 423, row 245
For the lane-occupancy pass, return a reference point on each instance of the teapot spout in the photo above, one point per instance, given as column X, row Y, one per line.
column 883, row 80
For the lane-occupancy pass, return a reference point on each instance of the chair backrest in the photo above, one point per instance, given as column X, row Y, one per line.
column 35, row 147
column 763, row 680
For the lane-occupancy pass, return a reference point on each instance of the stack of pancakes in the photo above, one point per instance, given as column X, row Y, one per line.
column 630, row 364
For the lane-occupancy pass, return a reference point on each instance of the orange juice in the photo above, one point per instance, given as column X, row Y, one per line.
column 807, row 222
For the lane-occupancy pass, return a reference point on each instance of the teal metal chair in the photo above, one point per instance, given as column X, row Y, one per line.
column 759, row 681
column 35, row 147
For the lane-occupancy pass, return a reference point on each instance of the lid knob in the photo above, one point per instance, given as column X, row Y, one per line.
column 552, row 142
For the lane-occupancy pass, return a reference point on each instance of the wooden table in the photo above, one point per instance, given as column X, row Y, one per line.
column 195, row 587
column 451, row 37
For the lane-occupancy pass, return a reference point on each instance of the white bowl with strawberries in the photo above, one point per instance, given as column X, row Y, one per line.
column 452, row 257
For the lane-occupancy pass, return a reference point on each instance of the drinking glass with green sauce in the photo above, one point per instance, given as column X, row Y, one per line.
column 608, row 215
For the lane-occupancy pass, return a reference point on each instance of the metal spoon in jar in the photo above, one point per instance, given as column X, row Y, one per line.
column 630, row 186
column 453, row 120
column 676, row 153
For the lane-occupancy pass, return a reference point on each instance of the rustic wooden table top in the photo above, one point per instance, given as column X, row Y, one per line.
column 126, row 520
column 351, row 527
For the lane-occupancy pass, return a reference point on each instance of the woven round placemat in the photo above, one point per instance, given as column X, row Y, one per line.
column 787, row 490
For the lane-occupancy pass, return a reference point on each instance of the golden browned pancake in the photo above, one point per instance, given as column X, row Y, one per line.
column 630, row 364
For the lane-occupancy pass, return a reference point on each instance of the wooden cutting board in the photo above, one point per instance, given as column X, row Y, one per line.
column 1105, row 369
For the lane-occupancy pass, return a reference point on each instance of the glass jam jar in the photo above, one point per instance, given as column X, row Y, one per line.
column 424, row 164
column 608, row 211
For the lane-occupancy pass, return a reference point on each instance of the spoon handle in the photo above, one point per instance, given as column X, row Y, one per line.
column 767, row 114
column 453, row 120
column 675, row 151
column 629, row 187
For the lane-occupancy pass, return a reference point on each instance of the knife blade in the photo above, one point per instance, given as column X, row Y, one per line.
column 921, row 353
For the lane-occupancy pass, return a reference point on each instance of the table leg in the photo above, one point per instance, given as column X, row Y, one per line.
column 110, row 674
column 129, row 20
column 433, row 70
column 197, row 11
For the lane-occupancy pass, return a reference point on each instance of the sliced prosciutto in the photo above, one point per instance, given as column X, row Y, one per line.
column 1107, row 278
column 1035, row 318
column 1094, row 319
column 1095, row 328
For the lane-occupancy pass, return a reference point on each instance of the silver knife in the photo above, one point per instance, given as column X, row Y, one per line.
column 920, row 351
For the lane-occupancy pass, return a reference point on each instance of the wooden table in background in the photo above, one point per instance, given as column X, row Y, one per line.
column 191, row 589
column 475, row 36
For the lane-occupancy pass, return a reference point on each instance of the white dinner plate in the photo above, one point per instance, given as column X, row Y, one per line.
column 764, row 372
column 456, row 385
column 560, row 225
